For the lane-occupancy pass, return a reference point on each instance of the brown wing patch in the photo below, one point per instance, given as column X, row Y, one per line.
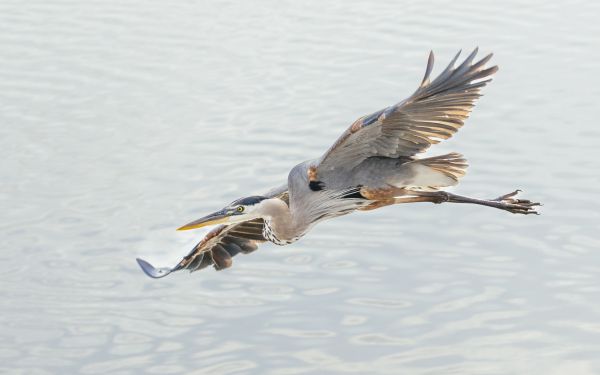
column 194, row 258
column 357, row 125
column 223, row 243
column 381, row 197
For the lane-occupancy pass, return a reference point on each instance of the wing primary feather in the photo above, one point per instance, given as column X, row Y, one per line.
column 430, row 62
column 466, row 65
column 482, row 62
column 153, row 272
column 221, row 257
column 194, row 265
column 446, row 71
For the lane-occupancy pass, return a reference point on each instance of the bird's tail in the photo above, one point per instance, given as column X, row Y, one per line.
column 438, row 171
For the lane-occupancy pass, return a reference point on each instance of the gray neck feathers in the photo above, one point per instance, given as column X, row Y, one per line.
column 279, row 219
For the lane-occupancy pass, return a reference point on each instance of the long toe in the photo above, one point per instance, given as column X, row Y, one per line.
column 522, row 208
column 517, row 205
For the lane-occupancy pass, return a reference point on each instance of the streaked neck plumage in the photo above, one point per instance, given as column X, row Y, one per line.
column 281, row 227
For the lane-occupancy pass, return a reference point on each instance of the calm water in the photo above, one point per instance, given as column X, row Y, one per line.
column 120, row 121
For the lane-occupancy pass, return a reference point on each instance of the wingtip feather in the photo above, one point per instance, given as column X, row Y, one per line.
column 151, row 271
column 430, row 62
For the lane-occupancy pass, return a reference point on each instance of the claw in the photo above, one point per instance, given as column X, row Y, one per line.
column 517, row 206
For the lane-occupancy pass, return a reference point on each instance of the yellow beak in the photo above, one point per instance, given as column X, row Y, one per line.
column 218, row 217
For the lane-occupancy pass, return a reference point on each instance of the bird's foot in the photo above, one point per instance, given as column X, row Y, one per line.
column 510, row 203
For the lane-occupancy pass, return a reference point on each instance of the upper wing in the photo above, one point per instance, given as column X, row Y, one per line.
column 434, row 112
column 219, row 245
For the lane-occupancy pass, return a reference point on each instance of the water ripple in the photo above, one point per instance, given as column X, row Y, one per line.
column 123, row 120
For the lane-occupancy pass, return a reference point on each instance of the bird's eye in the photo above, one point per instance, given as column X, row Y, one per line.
column 240, row 209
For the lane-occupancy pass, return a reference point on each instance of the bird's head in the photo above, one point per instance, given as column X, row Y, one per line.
column 240, row 210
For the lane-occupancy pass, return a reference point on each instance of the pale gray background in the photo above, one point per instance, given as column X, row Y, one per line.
column 122, row 120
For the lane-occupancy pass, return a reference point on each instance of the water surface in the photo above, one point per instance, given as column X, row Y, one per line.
column 120, row 121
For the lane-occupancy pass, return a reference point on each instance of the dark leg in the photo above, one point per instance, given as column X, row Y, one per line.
column 505, row 202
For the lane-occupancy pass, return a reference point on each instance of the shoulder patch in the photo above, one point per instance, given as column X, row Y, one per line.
column 316, row 185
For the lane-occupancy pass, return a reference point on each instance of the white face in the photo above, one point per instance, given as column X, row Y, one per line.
column 240, row 212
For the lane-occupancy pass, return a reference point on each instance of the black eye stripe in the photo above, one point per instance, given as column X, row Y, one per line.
column 248, row 201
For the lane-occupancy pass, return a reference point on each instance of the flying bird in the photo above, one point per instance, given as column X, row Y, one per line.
column 373, row 164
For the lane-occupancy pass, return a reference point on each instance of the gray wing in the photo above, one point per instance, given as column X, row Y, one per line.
column 434, row 112
column 219, row 246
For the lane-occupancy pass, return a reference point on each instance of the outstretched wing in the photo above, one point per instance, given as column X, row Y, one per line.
column 434, row 112
column 216, row 248
column 219, row 246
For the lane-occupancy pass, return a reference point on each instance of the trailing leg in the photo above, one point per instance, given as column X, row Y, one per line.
column 506, row 202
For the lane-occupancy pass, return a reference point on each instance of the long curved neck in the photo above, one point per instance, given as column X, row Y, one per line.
column 280, row 219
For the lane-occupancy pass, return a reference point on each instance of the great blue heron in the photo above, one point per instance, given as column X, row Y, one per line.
column 373, row 164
